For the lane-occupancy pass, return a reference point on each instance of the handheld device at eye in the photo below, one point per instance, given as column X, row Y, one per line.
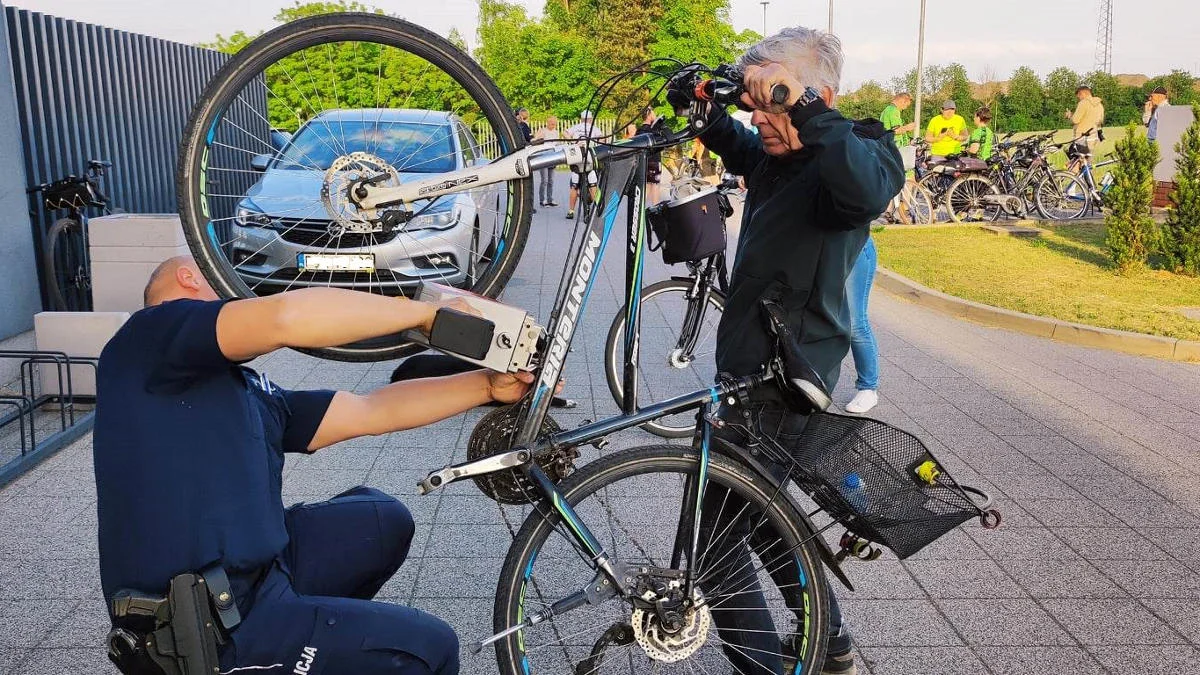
column 498, row 337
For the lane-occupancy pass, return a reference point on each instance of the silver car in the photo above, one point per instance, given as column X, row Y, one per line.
column 295, row 226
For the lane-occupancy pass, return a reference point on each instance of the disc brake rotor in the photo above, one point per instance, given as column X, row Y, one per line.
column 335, row 188
column 663, row 645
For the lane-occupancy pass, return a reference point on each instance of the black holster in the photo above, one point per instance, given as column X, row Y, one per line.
column 175, row 635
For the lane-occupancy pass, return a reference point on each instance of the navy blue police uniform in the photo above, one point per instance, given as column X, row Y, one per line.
column 189, row 455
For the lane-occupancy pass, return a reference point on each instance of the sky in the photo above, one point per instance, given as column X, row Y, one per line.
column 879, row 36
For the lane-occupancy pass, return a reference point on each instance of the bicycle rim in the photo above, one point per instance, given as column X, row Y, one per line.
column 364, row 95
column 917, row 205
column 965, row 199
column 633, row 500
column 68, row 273
column 1062, row 196
column 667, row 367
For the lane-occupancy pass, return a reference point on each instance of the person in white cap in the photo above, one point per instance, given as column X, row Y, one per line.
column 585, row 129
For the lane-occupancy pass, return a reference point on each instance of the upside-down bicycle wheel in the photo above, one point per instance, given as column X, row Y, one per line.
column 367, row 97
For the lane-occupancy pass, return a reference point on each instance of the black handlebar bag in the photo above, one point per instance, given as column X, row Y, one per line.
column 690, row 228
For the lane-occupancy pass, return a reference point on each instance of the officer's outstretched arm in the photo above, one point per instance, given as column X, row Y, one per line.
column 414, row 403
column 313, row 318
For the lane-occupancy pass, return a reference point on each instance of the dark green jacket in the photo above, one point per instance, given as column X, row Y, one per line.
column 805, row 219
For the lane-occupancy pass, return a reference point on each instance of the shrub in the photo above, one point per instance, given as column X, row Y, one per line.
column 1131, row 230
column 1181, row 231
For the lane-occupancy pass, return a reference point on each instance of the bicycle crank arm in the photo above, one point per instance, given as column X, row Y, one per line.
column 480, row 467
column 514, row 166
column 596, row 592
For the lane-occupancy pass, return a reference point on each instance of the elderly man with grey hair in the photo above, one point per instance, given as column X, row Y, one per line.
column 815, row 182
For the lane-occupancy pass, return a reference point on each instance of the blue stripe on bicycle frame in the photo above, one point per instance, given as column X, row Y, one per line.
column 715, row 394
column 212, row 234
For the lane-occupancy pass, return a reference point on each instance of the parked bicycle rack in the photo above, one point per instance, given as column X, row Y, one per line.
column 72, row 423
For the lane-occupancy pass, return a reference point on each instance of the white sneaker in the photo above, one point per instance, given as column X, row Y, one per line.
column 863, row 401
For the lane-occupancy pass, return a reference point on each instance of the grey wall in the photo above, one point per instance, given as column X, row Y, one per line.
column 20, row 298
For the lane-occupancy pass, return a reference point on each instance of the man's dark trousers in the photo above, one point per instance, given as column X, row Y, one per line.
column 312, row 611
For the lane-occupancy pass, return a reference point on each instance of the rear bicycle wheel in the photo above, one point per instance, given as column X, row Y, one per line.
column 916, row 205
column 676, row 350
column 68, row 270
column 368, row 96
column 775, row 588
column 965, row 199
column 1062, row 196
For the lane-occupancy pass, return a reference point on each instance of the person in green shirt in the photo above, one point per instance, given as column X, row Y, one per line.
column 946, row 132
column 893, row 121
column 982, row 137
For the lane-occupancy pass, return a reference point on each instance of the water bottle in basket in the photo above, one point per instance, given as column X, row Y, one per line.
column 855, row 491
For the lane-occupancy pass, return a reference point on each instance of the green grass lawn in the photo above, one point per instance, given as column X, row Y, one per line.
column 1064, row 274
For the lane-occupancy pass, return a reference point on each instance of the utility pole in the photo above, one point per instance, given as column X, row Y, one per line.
column 830, row 16
column 920, row 75
column 764, row 3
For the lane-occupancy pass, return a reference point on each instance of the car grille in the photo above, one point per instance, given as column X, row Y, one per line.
column 316, row 233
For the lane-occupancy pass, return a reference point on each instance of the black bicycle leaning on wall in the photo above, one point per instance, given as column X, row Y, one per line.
column 66, row 262
column 630, row 563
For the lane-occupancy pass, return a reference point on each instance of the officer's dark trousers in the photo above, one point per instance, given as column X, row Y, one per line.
column 312, row 613
column 751, row 636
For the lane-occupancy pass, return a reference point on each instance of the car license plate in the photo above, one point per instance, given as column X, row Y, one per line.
column 336, row 262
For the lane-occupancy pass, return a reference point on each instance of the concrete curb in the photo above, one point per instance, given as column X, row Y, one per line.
column 1055, row 329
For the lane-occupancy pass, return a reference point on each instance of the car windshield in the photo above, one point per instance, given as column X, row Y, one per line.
column 408, row 146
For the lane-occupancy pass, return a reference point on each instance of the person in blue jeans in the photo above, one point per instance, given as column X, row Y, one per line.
column 862, row 339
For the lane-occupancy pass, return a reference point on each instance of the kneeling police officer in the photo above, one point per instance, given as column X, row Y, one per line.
column 199, row 559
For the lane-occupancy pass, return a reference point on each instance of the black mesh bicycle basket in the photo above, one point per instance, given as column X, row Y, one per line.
column 690, row 228
column 880, row 482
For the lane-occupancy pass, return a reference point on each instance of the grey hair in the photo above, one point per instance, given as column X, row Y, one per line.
column 813, row 56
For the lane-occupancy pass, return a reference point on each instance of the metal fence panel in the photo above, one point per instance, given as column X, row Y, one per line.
column 89, row 92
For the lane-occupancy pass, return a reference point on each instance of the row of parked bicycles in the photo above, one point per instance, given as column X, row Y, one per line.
column 1019, row 180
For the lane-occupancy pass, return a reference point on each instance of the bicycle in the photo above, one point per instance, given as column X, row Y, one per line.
column 65, row 256
column 572, row 597
column 1079, row 163
column 678, row 320
column 957, row 184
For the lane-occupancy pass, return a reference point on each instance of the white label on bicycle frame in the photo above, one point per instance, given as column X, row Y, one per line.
column 566, row 322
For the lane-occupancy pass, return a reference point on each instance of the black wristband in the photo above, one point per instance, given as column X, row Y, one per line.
column 801, row 114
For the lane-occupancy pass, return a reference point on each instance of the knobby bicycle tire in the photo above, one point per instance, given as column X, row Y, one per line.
column 517, row 577
column 614, row 344
column 223, row 89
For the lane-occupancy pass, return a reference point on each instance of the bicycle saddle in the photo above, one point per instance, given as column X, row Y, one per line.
column 802, row 387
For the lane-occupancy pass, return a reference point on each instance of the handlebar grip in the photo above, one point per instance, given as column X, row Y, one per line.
column 780, row 93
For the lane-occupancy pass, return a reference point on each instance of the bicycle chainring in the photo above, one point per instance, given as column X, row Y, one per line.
column 494, row 435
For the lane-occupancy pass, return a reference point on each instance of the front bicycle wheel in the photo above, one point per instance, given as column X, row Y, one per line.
column 1062, row 196
column 967, row 200
column 676, row 354
column 760, row 605
column 366, row 96
column 915, row 205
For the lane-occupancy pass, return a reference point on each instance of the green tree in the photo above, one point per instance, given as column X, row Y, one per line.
column 1181, row 231
column 1120, row 101
column 1021, row 108
column 1060, row 97
column 1180, row 85
column 1131, row 231
column 868, row 101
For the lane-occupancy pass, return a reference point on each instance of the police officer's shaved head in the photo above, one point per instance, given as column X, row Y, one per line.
column 174, row 279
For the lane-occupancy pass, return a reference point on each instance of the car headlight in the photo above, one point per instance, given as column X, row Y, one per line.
column 435, row 220
column 248, row 217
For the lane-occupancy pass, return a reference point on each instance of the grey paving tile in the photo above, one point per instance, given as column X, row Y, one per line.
column 41, row 661
column 26, row 623
column 1180, row 615
column 1111, row 622
column 24, row 579
column 10, row 658
column 1156, row 513
column 1161, row 660
column 1022, row 542
column 1007, row 622
column 1076, row 512
column 897, row 623
column 928, row 661
column 1153, row 578
column 1040, row 660
column 1181, row 544
column 85, row 627
column 881, row 579
column 458, row 577
column 961, row 579
column 1062, row 579
column 1109, row 543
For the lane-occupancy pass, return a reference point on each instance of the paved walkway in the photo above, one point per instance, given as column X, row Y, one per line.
column 1092, row 454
